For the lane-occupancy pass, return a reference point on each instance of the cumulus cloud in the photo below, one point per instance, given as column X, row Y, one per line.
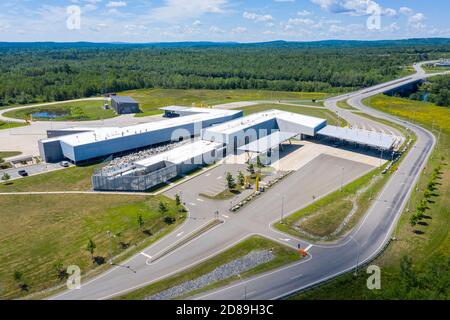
column 406, row 11
column 353, row 7
column 116, row 4
column 257, row 17
column 173, row 10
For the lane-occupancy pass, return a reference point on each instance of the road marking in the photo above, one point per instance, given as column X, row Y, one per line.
column 225, row 216
column 308, row 247
column 207, row 175
column 192, row 204
column 285, row 239
column 146, row 255
column 220, row 177
column 200, row 200
column 296, row 277
column 180, row 234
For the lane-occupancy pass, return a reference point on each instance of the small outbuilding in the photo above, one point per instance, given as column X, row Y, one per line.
column 124, row 105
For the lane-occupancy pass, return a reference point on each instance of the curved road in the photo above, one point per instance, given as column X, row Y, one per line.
column 323, row 262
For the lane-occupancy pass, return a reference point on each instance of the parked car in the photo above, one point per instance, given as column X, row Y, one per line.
column 64, row 164
column 22, row 173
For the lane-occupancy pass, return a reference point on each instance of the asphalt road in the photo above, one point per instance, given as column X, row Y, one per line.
column 324, row 261
column 372, row 233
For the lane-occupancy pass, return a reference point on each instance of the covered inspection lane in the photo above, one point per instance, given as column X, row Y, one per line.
column 267, row 143
column 363, row 137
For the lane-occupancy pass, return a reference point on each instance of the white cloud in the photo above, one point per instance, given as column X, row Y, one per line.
column 257, row 17
column 197, row 23
column 238, row 30
column 353, row 7
column 298, row 21
column 185, row 9
column 406, row 11
column 116, row 4
column 390, row 12
column 304, row 13
column 416, row 20
column 214, row 29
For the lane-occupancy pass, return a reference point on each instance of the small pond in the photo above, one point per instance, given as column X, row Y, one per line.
column 49, row 114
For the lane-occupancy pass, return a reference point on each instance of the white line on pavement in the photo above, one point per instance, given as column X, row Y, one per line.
column 285, row 239
column 200, row 200
column 181, row 233
column 296, row 277
column 308, row 247
column 225, row 216
column 146, row 255
column 192, row 204
column 220, row 177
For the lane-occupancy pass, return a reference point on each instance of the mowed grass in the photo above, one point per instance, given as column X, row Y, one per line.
column 314, row 112
column 11, row 125
column 8, row 154
column 344, row 105
column 433, row 238
column 72, row 111
column 283, row 256
column 152, row 99
column 39, row 231
column 70, row 179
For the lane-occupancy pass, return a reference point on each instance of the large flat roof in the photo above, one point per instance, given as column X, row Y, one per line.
column 370, row 138
column 260, row 117
column 123, row 99
column 268, row 142
column 181, row 154
column 102, row 134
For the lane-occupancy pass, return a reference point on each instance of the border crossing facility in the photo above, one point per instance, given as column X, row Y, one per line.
column 146, row 155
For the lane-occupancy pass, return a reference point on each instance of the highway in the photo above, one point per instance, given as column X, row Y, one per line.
column 300, row 188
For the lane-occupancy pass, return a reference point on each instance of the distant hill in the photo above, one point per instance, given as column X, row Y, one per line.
column 271, row 44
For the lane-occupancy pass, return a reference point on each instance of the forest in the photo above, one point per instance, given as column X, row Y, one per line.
column 37, row 72
column 435, row 90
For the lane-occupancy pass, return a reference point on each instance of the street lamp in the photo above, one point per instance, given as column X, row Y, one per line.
column 357, row 256
column 245, row 286
column 111, row 236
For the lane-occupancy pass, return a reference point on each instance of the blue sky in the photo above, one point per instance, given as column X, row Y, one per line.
column 221, row 20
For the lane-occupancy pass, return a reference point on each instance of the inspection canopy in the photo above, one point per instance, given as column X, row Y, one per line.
column 268, row 142
column 365, row 137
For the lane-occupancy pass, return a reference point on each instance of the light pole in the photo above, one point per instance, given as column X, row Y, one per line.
column 111, row 236
column 245, row 287
column 357, row 255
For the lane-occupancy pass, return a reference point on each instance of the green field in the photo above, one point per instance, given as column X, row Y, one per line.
column 69, row 179
column 7, row 154
column 38, row 232
column 428, row 243
column 10, row 125
column 152, row 99
column 314, row 112
column 73, row 111
column 283, row 256
column 433, row 69
column 344, row 105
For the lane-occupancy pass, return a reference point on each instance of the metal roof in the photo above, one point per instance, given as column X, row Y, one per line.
column 268, row 142
column 181, row 154
column 173, row 108
column 101, row 134
column 123, row 99
column 260, row 117
column 370, row 138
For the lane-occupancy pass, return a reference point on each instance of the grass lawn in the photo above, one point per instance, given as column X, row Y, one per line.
column 283, row 256
column 10, row 125
column 73, row 111
column 344, row 105
column 430, row 243
column 41, row 231
column 8, row 154
column 314, row 112
column 152, row 99
column 70, row 179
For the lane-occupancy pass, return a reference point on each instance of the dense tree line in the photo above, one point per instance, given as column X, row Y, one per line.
column 435, row 90
column 34, row 73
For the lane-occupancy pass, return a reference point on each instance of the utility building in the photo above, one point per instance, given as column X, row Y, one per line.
column 124, row 105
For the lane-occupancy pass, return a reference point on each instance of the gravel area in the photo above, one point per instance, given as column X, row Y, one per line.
column 233, row 268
